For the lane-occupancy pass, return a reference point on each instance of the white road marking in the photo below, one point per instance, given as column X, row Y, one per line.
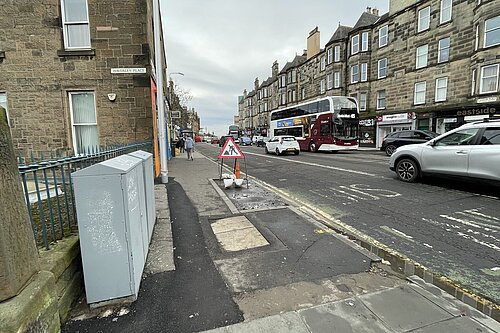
column 320, row 165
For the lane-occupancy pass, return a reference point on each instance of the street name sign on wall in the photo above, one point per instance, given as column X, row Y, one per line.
column 230, row 150
column 130, row 70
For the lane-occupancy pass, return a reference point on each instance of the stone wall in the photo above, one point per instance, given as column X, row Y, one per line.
column 37, row 73
column 45, row 303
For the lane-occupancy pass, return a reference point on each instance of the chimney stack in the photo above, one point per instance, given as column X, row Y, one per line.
column 275, row 69
column 375, row 11
column 313, row 41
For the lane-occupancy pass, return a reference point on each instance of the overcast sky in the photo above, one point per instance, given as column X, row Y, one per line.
column 221, row 46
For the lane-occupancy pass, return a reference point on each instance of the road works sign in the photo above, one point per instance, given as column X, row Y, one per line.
column 230, row 150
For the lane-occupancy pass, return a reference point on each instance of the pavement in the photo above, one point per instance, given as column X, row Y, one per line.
column 247, row 260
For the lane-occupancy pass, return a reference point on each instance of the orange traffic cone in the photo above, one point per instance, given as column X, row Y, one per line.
column 237, row 170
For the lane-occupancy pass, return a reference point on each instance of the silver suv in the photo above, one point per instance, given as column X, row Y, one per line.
column 471, row 150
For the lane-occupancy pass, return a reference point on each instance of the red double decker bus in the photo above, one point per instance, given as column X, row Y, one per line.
column 326, row 124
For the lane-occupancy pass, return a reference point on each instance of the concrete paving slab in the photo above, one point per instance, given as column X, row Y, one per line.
column 285, row 323
column 241, row 239
column 450, row 303
column 349, row 315
column 403, row 309
column 459, row 324
column 230, row 224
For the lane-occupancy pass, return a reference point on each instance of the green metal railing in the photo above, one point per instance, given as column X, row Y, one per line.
column 48, row 188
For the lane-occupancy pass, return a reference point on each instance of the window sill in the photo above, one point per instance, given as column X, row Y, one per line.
column 76, row 53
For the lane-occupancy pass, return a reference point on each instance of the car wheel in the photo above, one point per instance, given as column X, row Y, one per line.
column 277, row 151
column 390, row 149
column 407, row 170
column 267, row 151
column 312, row 147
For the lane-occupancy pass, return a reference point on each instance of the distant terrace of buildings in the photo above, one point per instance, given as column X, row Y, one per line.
column 428, row 64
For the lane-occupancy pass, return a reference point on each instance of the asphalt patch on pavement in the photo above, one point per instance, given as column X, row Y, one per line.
column 296, row 253
column 192, row 298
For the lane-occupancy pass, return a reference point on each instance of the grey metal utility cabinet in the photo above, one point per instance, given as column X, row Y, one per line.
column 112, row 228
column 149, row 187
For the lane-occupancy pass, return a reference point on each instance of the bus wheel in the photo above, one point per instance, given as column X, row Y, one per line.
column 312, row 147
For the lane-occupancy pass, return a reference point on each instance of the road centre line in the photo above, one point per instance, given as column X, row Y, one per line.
column 318, row 165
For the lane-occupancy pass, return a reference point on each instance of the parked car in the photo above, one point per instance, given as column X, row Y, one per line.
column 283, row 144
column 245, row 141
column 214, row 140
column 400, row 138
column 260, row 141
column 471, row 150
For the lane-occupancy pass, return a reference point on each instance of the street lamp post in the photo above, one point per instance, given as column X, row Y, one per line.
column 171, row 86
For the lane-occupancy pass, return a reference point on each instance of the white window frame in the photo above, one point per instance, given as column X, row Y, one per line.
column 476, row 40
column 420, row 61
column 322, row 63
column 424, row 19
column 364, row 72
column 322, row 86
column 383, row 36
column 473, row 83
column 294, row 95
column 363, row 101
column 67, row 24
column 294, row 75
column 354, row 44
column 329, row 81
column 381, row 71
column 494, row 29
column 303, row 93
column 441, row 48
column 355, row 73
column 364, row 41
column 329, row 55
column 336, row 79
column 481, row 85
column 379, row 99
column 440, row 87
column 419, row 93
column 446, row 7
column 336, row 53
column 72, row 117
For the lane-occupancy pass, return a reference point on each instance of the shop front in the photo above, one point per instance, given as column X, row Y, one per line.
column 367, row 132
column 393, row 122
column 446, row 120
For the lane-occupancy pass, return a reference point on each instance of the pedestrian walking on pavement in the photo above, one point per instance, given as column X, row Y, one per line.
column 181, row 144
column 189, row 147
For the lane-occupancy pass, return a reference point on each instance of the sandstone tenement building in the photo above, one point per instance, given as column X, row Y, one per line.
column 428, row 64
column 78, row 73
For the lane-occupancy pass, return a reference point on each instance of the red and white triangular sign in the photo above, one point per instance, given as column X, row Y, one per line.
column 230, row 150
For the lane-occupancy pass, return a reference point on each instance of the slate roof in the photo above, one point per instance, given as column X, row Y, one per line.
column 268, row 81
column 299, row 60
column 341, row 33
column 365, row 20
column 251, row 93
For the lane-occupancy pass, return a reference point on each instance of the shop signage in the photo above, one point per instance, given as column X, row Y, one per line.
column 487, row 99
column 477, row 111
column 367, row 122
column 450, row 120
column 130, row 70
column 395, row 118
